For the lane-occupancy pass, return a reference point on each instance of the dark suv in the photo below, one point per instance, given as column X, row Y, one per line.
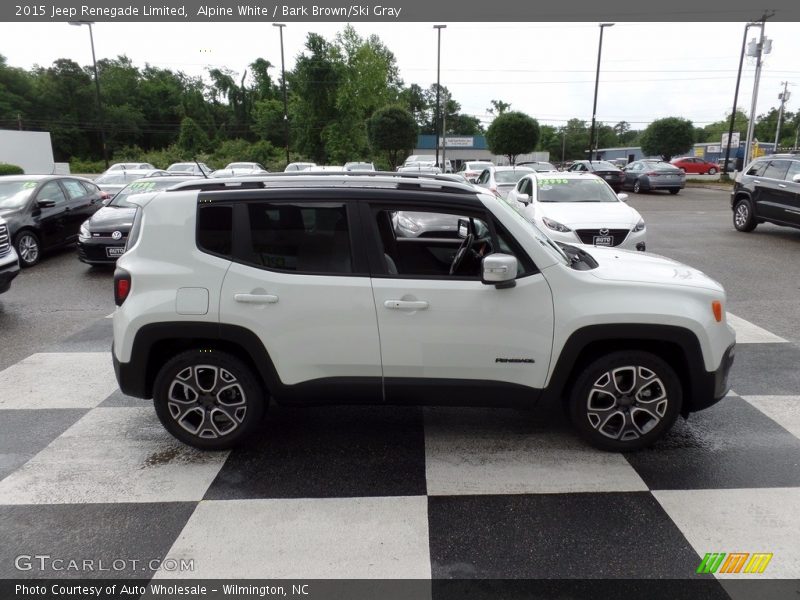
column 767, row 191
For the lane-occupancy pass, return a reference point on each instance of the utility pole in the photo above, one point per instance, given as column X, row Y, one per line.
column 280, row 26
column 97, row 89
column 444, row 142
column 763, row 46
column 19, row 121
column 563, row 145
column 783, row 98
column 596, row 84
column 438, row 123
column 724, row 176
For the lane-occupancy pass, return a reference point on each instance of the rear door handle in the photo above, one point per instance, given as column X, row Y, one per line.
column 406, row 304
column 782, row 185
column 756, row 181
column 256, row 298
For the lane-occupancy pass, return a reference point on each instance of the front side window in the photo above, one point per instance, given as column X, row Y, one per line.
column 52, row 191
column 299, row 237
column 777, row 169
column 757, row 168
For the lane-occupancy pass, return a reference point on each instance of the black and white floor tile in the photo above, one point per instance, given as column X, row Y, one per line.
column 396, row 493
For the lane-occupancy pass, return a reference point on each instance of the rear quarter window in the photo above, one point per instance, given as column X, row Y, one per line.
column 214, row 229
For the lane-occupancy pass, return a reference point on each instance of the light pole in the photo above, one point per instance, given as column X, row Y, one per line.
column 758, row 49
column 724, row 176
column 280, row 27
column 97, row 89
column 437, row 125
column 596, row 84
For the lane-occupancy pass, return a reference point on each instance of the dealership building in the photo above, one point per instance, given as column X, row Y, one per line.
column 460, row 148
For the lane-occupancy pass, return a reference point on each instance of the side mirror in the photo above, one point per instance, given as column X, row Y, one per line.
column 524, row 198
column 796, row 178
column 623, row 197
column 45, row 203
column 499, row 270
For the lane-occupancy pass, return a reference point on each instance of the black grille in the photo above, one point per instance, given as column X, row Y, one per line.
column 617, row 235
column 5, row 242
column 107, row 234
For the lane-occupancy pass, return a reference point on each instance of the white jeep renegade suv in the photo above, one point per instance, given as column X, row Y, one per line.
column 301, row 288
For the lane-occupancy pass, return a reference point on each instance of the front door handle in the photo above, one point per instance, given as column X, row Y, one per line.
column 256, row 298
column 406, row 304
column 782, row 185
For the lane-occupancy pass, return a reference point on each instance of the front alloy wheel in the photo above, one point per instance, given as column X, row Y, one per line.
column 743, row 216
column 28, row 249
column 207, row 399
column 626, row 400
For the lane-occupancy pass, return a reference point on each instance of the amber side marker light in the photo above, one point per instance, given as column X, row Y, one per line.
column 716, row 307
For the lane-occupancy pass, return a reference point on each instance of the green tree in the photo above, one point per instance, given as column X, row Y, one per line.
column 498, row 107
column 192, row 138
column 512, row 133
column 668, row 137
column 392, row 130
column 714, row 131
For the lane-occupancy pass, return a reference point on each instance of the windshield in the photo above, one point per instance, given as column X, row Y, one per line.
column 600, row 165
column 515, row 209
column 585, row 189
column 112, row 178
column 477, row 166
column 141, row 187
column 14, row 194
column 511, row 176
column 181, row 167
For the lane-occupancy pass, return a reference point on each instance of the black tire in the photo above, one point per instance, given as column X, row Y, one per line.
column 712, row 171
column 674, row 191
column 625, row 413
column 743, row 219
column 637, row 187
column 28, row 248
column 186, row 395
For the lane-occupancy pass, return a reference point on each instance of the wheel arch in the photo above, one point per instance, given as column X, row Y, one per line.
column 677, row 346
column 156, row 343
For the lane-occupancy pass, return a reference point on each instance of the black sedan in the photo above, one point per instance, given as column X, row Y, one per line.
column 103, row 237
column 612, row 174
column 45, row 211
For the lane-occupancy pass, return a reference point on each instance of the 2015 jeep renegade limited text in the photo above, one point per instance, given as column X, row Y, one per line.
column 399, row 289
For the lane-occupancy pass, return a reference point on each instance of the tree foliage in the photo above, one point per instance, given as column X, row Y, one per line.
column 668, row 137
column 392, row 130
column 513, row 133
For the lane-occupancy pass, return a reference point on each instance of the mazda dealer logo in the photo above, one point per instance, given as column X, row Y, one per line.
column 602, row 232
column 117, row 235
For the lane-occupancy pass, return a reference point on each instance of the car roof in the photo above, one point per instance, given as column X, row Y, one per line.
column 41, row 177
column 562, row 175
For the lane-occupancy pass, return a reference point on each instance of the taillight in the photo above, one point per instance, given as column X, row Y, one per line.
column 716, row 308
column 122, row 286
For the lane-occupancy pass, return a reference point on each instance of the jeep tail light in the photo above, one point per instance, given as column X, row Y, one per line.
column 122, row 286
column 716, row 308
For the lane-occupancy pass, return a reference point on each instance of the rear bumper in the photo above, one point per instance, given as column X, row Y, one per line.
column 666, row 184
column 130, row 377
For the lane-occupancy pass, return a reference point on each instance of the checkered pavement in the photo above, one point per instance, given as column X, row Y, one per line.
column 388, row 492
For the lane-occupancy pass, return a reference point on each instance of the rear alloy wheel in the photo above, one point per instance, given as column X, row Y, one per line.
column 208, row 399
column 743, row 216
column 625, row 400
column 27, row 245
column 637, row 187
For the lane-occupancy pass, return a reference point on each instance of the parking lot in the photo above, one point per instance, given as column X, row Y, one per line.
column 405, row 492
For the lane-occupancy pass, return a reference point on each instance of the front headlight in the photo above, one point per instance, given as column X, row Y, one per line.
column 408, row 224
column 555, row 225
column 83, row 233
column 639, row 225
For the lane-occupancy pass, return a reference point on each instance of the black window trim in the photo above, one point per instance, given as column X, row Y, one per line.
column 242, row 240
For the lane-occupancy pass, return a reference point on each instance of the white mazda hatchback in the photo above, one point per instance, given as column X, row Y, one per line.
column 579, row 208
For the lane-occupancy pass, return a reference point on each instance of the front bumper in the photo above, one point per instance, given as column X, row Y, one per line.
column 95, row 252
column 9, row 269
column 712, row 385
column 635, row 240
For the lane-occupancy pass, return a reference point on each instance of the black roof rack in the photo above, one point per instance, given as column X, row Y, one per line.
column 405, row 180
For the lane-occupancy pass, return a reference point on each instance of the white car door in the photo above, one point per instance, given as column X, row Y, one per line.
column 452, row 334
column 297, row 283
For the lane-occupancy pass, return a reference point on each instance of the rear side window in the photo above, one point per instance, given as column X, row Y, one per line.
column 299, row 237
column 214, row 226
column 794, row 169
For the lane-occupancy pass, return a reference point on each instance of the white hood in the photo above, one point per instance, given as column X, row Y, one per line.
column 642, row 267
column 585, row 215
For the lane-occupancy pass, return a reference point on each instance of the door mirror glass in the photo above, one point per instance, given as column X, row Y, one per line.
column 499, row 270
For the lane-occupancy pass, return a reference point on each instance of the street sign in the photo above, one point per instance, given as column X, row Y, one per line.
column 734, row 140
